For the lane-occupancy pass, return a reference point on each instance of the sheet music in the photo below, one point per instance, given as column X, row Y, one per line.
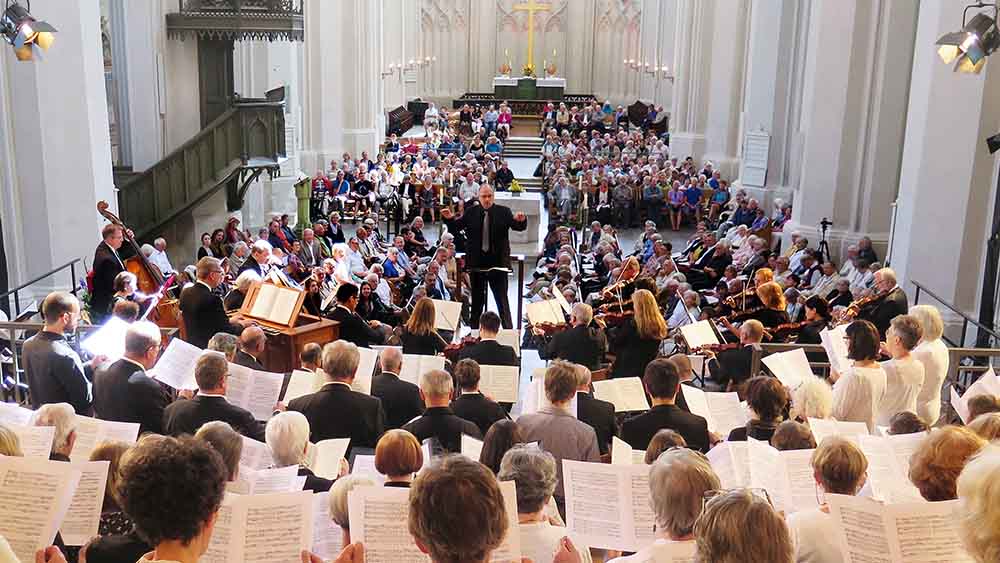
column 889, row 466
column 563, row 304
column 176, row 365
column 547, row 311
column 264, row 481
column 302, row 383
column 607, row 506
column 833, row 341
column 84, row 514
column 510, row 549
column 721, row 411
column 791, row 367
column 328, row 456
column 416, row 364
column 623, row 454
column 35, row 495
column 108, row 340
column 699, row 334
column 471, row 447
column 510, row 337
column 379, row 518
column 275, row 304
column 253, row 390
column 284, row 306
column 91, row 431
column 821, row 428
column 897, row 533
column 262, row 528
column 447, row 314
column 264, row 302
column 365, row 465
column 787, row 475
column 500, row 382
column 697, row 363
column 731, row 463
column 15, row 414
column 987, row 384
column 36, row 441
column 366, row 369
column 328, row 537
column 626, row 393
column 255, row 455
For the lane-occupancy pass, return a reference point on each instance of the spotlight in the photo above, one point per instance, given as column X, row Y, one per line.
column 969, row 48
column 27, row 35
column 993, row 143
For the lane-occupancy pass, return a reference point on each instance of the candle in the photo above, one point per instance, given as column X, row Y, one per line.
column 451, row 178
column 441, row 194
column 585, row 194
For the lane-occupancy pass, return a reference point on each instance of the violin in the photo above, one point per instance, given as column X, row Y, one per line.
column 452, row 350
column 612, row 318
column 739, row 300
column 856, row 306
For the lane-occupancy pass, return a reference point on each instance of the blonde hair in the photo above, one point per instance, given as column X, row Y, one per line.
column 421, row 321
column 987, row 426
column 840, row 466
column 930, row 321
column 111, row 451
column 10, row 444
column 771, row 295
column 766, row 274
column 648, row 320
column 979, row 495
column 935, row 466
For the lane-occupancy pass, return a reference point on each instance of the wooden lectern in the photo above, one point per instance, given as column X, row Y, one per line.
column 278, row 311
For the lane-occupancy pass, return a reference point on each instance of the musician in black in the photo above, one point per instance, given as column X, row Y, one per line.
column 487, row 230
column 888, row 302
column 817, row 319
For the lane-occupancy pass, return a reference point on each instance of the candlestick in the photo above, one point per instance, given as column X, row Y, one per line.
column 441, row 195
column 585, row 194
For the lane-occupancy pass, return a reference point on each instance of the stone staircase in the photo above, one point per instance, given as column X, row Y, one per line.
column 531, row 184
column 522, row 147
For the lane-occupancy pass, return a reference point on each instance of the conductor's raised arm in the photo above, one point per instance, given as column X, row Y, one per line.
column 520, row 222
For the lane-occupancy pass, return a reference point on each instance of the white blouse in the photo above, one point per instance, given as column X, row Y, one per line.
column 934, row 356
column 812, row 537
column 904, row 379
column 540, row 541
column 858, row 394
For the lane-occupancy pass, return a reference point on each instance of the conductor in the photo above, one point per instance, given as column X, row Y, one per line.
column 487, row 255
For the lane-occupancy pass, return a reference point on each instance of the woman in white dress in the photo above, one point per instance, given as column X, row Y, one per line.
column 904, row 373
column 839, row 467
column 933, row 354
column 857, row 394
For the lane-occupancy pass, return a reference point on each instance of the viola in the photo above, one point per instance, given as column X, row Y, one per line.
column 452, row 350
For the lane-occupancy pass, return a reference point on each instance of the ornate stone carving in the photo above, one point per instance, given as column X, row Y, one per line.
column 262, row 20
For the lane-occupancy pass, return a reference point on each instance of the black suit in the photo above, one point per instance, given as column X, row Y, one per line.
column 355, row 329
column 441, row 423
column 479, row 410
column 490, row 353
column 600, row 415
column 501, row 221
column 55, row 373
column 580, row 344
column 335, row 233
column 639, row 430
column 731, row 366
column 314, row 482
column 203, row 315
column 187, row 416
column 252, row 265
column 888, row 308
column 124, row 393
column 106, row 267
column 246, row 360
column 400, row 399
column 633, row 353
column 337, row 411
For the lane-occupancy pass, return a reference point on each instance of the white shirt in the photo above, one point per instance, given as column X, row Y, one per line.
column 159, row 258
column 680, row 316
column 934, row 356
column 904, row 378
column 858, row 394
column 540, row 540
column 383, row 291
column 660, row 547
column 811, row 532
column 356, row 263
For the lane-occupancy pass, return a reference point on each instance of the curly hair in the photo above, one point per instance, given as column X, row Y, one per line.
column 171, row 487
column 936, row 464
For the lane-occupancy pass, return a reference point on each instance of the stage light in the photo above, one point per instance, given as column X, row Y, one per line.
column 969, row 47
column 28, row 36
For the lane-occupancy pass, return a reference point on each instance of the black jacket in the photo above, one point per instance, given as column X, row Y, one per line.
column 337, row 411
column 501, row 222
column 632, row 352
column 580, row 344
column 731, row 366
column 490, row 353
column 354, row 329
column 251, row 264
column 600, row 415
column 639, row 430
column 55, row 373
column 479, row 410
column 441, row 423
column 203, row 315
column 187, row 416
column 124, row 393
column 314, row 482
column 427, row 344
column 106, row 268
column 400, row 399
column 246, row 360
column 890, row 307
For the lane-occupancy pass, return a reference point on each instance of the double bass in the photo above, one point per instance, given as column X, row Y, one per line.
column 149, row 278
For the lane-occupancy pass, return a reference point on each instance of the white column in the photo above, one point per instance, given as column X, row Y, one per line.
column 140, row 26
column 692, row 40
column 725, row 89
column 946, row 187
column 56, row 121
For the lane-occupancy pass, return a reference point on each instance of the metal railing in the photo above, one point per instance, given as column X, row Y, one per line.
column 14, row 294
column 994, row 338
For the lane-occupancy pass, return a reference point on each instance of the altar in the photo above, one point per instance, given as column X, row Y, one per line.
column 529, row 88
column 529, row 203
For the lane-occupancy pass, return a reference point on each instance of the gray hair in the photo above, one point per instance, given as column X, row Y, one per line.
column 887, row 274
column 241, row 246
column 583, row 376
column 583, row 313
column 246, row 278
column 341, row 359
column 813, row 398
column 391, row 359
column 140, row 337
column 224, row 440
column 147, row 250
column 678, row 481
column 930, row 321
column 338, row 497
column 287, row 434
column 436, row 383
column 534, row 474
column 223, row 342
column 62, row 417
column 261, row 245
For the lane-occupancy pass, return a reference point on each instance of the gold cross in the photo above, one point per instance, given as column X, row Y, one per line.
column 531, row 7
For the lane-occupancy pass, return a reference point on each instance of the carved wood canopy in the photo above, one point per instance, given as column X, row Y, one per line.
column 236, row 20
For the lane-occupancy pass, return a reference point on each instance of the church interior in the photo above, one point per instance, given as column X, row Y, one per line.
column 499, row 280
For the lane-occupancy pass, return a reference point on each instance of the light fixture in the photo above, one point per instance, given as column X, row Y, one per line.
column 28, row 36
column 978, row 39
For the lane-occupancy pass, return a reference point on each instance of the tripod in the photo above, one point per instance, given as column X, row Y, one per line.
column 824, row 247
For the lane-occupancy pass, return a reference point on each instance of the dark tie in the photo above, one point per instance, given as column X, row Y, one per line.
column 486, row 231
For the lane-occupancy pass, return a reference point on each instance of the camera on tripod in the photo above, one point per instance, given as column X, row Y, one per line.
column 825, row 224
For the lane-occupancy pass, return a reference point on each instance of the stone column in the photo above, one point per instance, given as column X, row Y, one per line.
column 725, row 87
column 689, row 107
column 56, row 126
column 142, row 29
column 946, row 187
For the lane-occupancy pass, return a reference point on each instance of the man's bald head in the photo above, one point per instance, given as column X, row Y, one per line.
column 252, row 340
column 391, row 359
